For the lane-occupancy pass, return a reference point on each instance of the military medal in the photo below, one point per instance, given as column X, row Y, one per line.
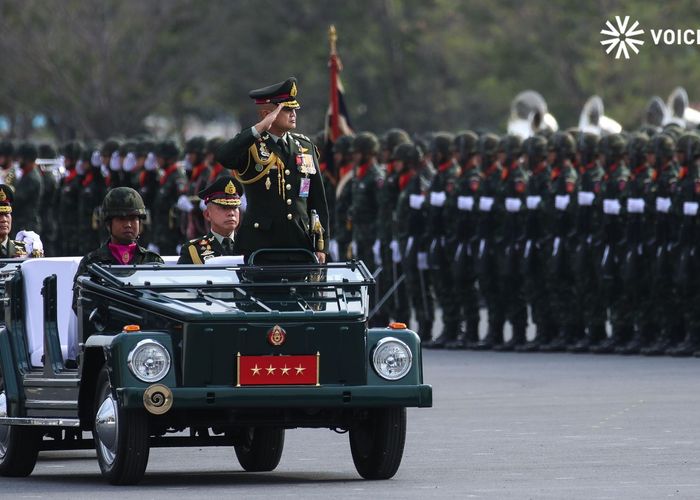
column 258, row 168
column 304, row 187
column 263, row 150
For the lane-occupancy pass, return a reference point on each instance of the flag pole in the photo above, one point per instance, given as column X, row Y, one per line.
column 334, row 69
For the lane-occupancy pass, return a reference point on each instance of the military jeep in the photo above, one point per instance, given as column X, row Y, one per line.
column 175, row 356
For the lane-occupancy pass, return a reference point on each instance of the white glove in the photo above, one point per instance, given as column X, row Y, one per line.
column 31, row 240
column 416, row 201
column 663, row 205
column 486, row 203
column 153, row 248
column 187, row 165
column 611, row 206
column 333, row 250
column 18, row 172
column 437, row 199
column 202, row 206
column 561, row 201
column 96, row 159
column 395, row 251
column 177, row 249
column 423, row 261
column 465, row 203
column 690, row 208
column 151, row 162
column 513, row 205
column 115, row 162
column 585, row 198
column 635, row 205
column 376, row 250
column 184, row 204
column 533, row 202
column 80, row 167
column 105, row 170
column 244, row 203
column 129, row 162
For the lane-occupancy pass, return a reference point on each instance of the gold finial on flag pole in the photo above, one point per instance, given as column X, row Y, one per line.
column 332, row 37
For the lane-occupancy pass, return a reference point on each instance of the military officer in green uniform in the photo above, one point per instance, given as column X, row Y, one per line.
column 281, row 176
column 222, row 201
column 27, row 244
column 122, row 214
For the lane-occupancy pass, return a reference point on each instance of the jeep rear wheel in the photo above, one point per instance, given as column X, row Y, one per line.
column 377, row 443
column 19, row 446
column 260, row 449
column 121, row 437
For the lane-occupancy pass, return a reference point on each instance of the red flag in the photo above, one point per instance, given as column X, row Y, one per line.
column 338, row 119
column 278, row 370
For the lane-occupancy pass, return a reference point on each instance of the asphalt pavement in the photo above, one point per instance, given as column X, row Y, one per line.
column 503, row 425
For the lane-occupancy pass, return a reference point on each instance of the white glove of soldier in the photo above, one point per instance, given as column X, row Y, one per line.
column 32, row 241
column 177, row 249
column 187, row 165
column 151, row 163
column 395, row 252
column 115, row 162
column 202, row 206
column 18, row 172
column 129, row 162
column 96, row 159
column 376, row 250
column 80, row 167
column 105, row 170
column 184, row 204
column 333, row 250
column 153, row 248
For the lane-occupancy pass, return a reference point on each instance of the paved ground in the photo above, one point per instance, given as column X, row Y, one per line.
column 503, row 426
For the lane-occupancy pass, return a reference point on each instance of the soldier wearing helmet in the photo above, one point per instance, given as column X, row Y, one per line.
column 367, row 182
column 686, row 203
column 586, row 253
column 665, row 300
column 123, row 213
column 613, row 149
column 635, row 267
column 515, row 179
column 537, row 241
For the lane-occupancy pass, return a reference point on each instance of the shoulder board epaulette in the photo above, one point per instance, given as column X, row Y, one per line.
column 302, row 136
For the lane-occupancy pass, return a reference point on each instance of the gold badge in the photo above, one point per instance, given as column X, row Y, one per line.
column 293, row 92
column 276, row 336
column 268, row 183
column 3, row 196
column 125, row 256
column 230, row 188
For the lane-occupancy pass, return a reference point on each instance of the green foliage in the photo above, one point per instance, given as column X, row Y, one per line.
column 96, row 68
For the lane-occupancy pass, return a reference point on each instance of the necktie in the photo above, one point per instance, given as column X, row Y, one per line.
column 227, row 245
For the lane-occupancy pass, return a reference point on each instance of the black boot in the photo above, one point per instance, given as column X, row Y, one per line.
column 690, row 344
column 460, row 342
column 518, row 338
column 640, row 339
column 620, row 336
column 425, row 332
column 594, row 336
column 561, row 341
column 494, row 337
column 448, row 335
column 543, row 336
column 472, row 335
column 666, row 341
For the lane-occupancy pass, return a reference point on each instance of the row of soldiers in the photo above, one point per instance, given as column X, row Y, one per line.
column 578, row 230
column 61, row 200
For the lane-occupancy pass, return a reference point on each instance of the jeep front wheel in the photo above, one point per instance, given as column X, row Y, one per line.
column 260, row 449
column 121, row 437
column 377, row 443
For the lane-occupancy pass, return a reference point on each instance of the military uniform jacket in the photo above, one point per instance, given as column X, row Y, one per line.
column 490, row 209
column 92, row 193
column 166, row 220
column 442, row 187
column 537, row 199
column 27, row 203
column 687, row 201
column 615, row 190
column 412, row 216
column 514, row 202
column 667, row 187
column 198, row 250
column 367, row 183
column 17, row 249
column 388, row 198
column 588, row 215
column 342, row 230
column 564, row 200
column 282, row 186
column 103, row 255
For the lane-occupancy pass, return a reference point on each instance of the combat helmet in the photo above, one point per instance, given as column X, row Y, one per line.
column 122, row 202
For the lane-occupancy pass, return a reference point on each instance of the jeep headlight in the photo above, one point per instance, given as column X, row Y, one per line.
column 392, row 359
column 149, row 361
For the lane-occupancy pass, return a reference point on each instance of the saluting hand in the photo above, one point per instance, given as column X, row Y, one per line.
column 265, row 124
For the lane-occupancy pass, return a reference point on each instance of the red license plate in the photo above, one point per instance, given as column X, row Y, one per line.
column 277, row 370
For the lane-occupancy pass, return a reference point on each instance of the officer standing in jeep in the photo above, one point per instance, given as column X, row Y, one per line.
column 281, row 176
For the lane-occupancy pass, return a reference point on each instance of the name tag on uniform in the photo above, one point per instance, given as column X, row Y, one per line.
column 306, row 164
column 304, row 187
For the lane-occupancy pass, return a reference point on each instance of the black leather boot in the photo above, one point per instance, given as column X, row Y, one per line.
column 494, row 337
column 690, row 344
column 518, row 338
column 594, row 336
column 666, row 341
column 561, row 341
column 449, row 334
column 640, row 339
column 425, row 332
column 620, row 336
column 543, row 336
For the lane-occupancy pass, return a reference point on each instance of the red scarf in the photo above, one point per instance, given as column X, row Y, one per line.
column 123, row 254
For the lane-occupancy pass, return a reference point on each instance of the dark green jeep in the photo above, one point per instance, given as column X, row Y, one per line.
column 234, row 354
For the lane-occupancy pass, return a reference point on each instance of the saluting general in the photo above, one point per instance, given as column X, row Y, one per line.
column 280, row 173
